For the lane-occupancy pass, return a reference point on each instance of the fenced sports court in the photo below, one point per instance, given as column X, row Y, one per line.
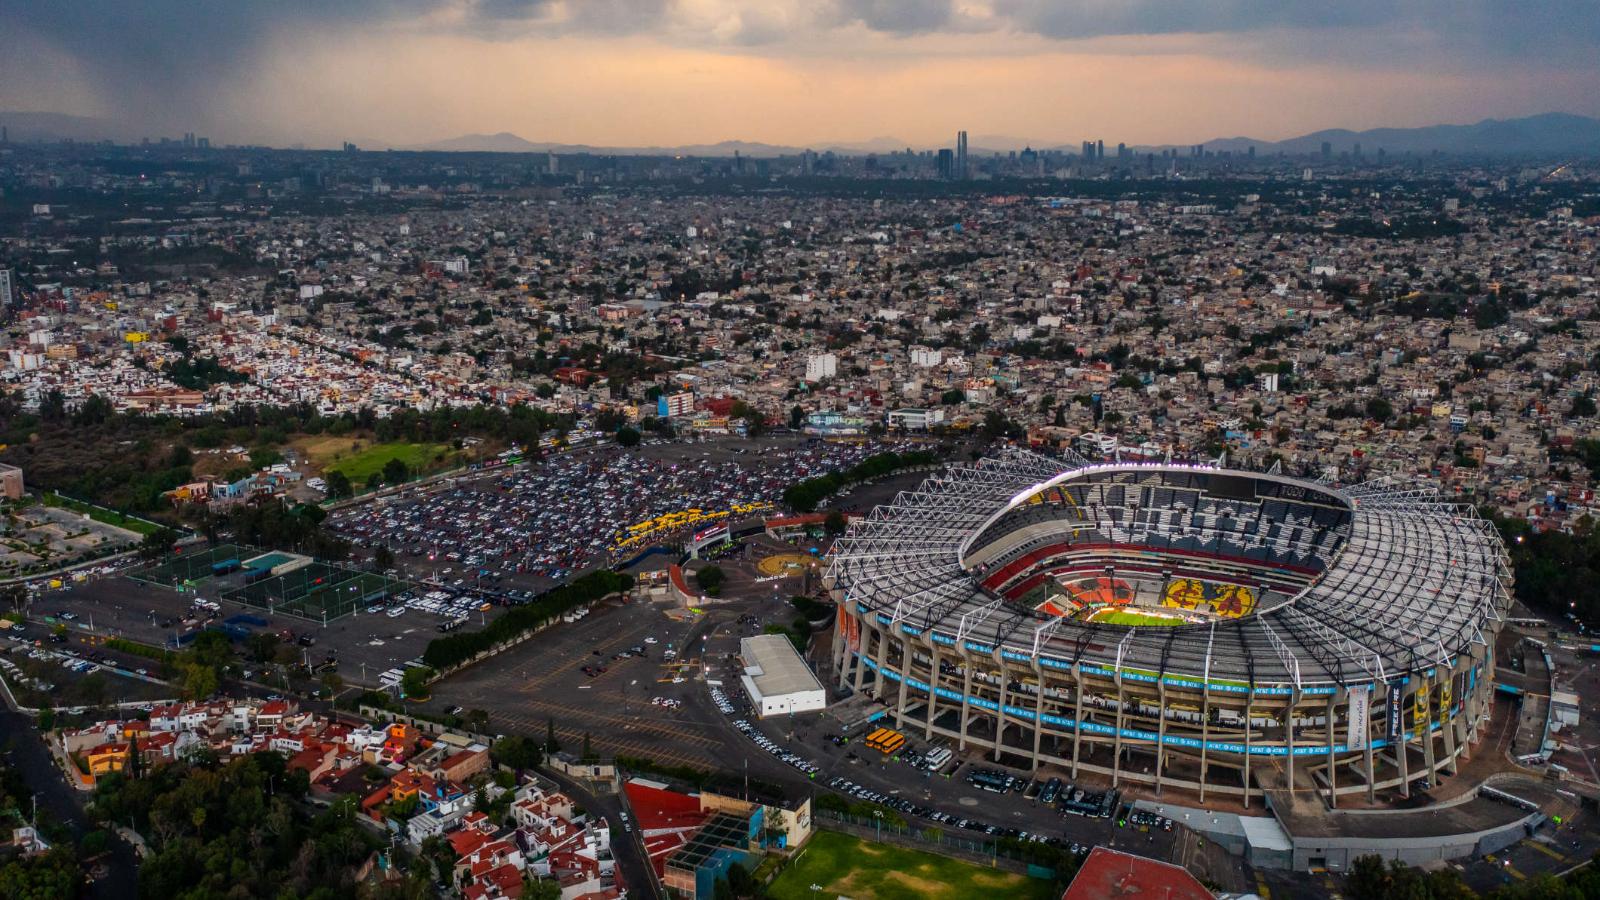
column 317, row 591
column 193, row 565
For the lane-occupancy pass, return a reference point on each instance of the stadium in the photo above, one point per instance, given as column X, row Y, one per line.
column 1183, row 626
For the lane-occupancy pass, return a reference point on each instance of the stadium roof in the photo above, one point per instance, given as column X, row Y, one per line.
column 1411, row 581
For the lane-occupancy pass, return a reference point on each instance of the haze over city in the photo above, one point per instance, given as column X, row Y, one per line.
column 670, row 72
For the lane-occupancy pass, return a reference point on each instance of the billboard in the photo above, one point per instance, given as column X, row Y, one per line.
column 1395, row 688
column 1357, row 711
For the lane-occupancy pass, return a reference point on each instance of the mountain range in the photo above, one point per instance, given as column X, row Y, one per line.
column 1547, row 134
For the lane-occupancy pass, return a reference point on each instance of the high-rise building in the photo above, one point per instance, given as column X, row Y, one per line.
column 1088, row 150
column 947, row 163
column 1327, row 149
column 551, row 166
column 1099, row 149
column 1122, row 150
column 961, row 154
column 5, row 288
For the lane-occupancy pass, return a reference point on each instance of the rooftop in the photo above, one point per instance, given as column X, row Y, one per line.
column 773, row 665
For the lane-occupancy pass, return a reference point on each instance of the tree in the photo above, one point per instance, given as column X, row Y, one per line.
column 200, row 682
column 628, row 436
column 710, row 579
column 382, row 558
column 478, row 720
column 339, row 485
column 332, row 684
column 414, row 684
column 517, row 752
column 1379, row 409
column 395, row 471
column 588, row 749
column 157, row 543
column 797, row 416
column 551, row 745
column 836, row 523
column 540, row 888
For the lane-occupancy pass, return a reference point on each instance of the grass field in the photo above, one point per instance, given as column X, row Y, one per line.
column 358, row 458
column 846, row 866
column 1128, row 617
column 109, row 517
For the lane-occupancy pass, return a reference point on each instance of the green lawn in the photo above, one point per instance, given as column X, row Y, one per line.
column 51, row 498
column 845, row 866
column 361, row 464
column 1129, row 617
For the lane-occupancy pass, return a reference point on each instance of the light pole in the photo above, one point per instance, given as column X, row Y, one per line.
column 877, row 815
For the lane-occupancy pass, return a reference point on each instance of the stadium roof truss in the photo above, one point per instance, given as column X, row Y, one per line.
column 1415, row 582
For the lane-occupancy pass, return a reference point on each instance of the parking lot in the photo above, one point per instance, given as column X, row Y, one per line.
column 364, row 644
column 533, row 525
column 583, row 677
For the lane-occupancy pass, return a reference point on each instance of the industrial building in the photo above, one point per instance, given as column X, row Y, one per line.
column 776, row 678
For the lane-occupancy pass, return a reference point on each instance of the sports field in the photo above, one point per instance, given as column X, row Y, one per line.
column 358, row 459
column 840, row 865
column 193, row 565
column 1129, row 617
column 318, row 591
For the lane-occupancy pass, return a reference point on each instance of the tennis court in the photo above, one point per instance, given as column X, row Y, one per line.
column 190, row 566
column 317, row 591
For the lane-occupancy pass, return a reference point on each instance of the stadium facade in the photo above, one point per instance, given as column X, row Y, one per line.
column 1187, row 626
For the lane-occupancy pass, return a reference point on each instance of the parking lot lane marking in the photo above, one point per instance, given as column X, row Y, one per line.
column 1547, row 851
column 1514, row 873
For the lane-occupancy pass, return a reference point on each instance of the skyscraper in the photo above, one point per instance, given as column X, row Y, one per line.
column 1099, row 149
column 947, row 163
column 961, row 154
column 1327, row 149
column 5, row 288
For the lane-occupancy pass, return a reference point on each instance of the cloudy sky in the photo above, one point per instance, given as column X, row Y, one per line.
column 802, row 72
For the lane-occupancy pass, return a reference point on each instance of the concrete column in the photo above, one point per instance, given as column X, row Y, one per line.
column 1116, row 739
column 1077, row 715
column 933, row 689
column 1249, row 704
column 1038, row 712
column 1161, row 731
column 1333, row 765
column 966, row 701
column 1000, row 711
column 1205, row 738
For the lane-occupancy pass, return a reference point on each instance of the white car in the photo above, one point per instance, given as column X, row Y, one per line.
column 397, row 612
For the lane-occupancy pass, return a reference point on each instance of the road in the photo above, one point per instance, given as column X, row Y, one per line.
column 26, row 752
column 626, row 848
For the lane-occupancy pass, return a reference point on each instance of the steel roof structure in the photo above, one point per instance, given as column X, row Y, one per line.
column 1406, row 580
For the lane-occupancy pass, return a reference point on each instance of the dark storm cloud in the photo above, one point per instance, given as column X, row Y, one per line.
column 899, row 16
column 165, row 55
column 1505, row 29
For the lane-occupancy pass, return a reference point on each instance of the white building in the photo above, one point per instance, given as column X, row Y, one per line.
column 777, row 679
column 820, row 366
column 915, row 419
column 926, row 358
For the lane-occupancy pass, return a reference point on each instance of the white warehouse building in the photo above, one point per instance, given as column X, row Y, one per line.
column 778, row 681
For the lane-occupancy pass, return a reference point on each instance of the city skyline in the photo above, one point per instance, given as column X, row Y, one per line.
column 701, row 71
